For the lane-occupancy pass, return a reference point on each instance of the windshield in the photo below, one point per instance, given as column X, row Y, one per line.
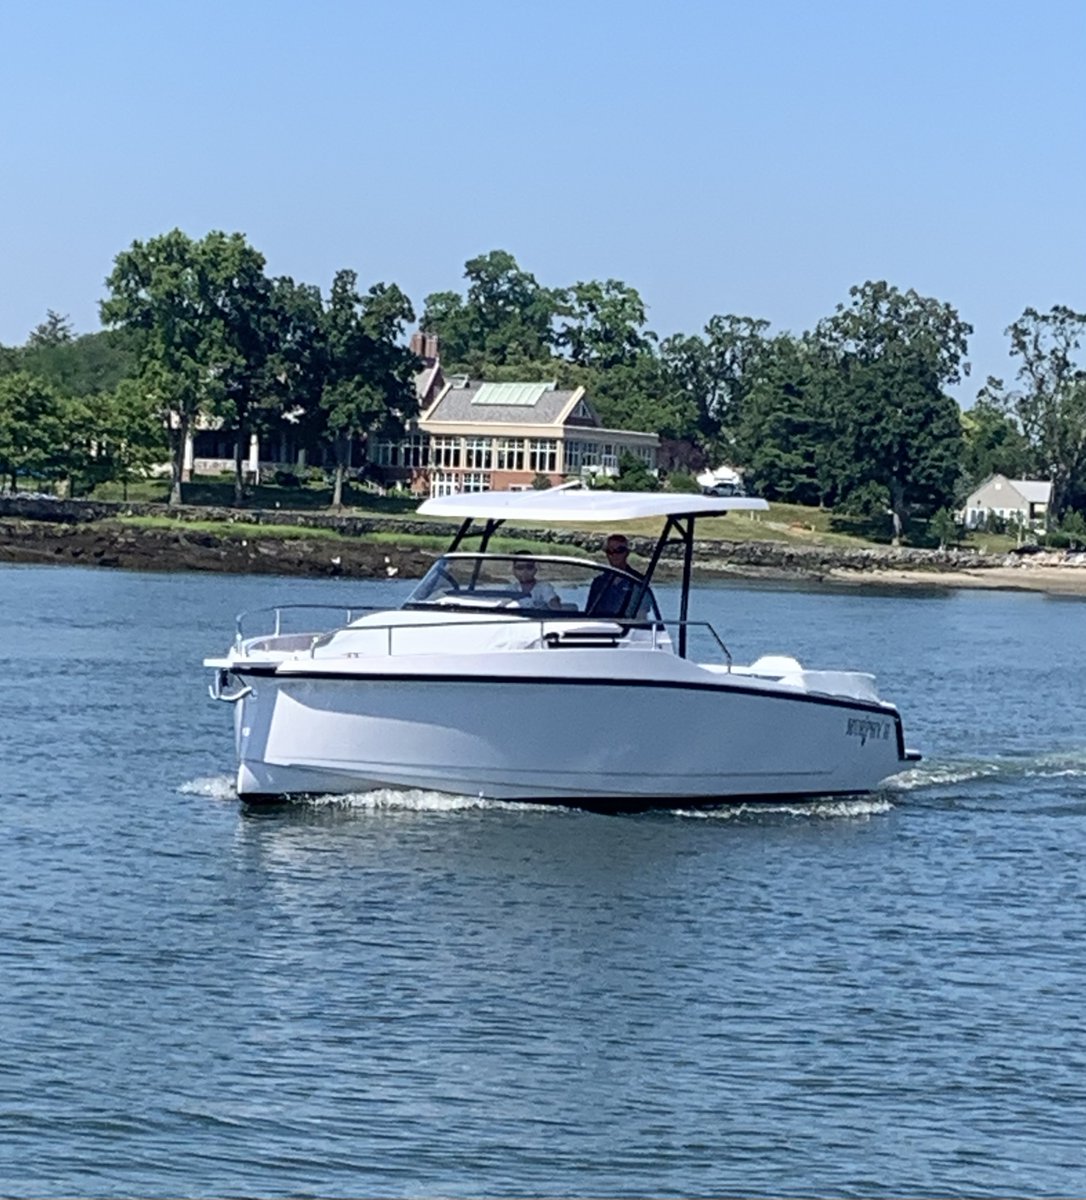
column 535, row 583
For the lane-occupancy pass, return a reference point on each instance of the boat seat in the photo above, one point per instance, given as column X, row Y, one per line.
column 598, row 633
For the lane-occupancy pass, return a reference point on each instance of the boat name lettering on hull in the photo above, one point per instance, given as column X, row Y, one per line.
column 867, row 729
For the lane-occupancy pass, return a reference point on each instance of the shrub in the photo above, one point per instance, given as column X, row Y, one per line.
column 944, row 529
column 682, row 481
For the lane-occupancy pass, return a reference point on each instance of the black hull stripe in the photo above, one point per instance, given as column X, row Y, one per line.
column 549, row 681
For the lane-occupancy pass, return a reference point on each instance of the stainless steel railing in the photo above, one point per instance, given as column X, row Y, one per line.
column 610, row 630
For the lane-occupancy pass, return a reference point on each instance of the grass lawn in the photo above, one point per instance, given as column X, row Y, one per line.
column 786, row 523
column 218, row 491
column 249, row 531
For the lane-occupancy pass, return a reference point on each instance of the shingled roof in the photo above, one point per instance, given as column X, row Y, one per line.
column 501, row 403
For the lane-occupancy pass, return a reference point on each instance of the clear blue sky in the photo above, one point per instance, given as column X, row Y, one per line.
column 720, row 157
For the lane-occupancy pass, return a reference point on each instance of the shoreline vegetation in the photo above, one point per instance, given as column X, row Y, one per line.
column 149, row 536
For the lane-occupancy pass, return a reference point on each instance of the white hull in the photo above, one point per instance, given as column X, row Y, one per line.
column 664, row 732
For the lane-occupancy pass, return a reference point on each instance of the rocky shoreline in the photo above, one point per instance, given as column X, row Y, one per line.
column 90, row 533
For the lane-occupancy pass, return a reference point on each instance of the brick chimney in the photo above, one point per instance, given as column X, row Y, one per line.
column 425, row 346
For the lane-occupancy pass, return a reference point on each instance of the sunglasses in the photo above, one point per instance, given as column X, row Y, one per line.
column 618, row 549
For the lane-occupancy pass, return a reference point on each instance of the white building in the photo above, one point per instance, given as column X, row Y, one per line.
column 1017, row 501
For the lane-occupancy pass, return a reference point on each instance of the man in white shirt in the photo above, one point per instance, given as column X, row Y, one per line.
column 532, row 592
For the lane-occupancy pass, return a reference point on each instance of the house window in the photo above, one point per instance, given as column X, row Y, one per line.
column 509, row 454
column 542, row 455
column 444, row 483
column 408, row 452
column 415, row 450
column 475, row 481
column 385, row 453
column 445, row 452
column 578, row 455
column 478, row 452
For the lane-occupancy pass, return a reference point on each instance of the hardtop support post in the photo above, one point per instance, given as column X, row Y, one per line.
column 684, row 599
column 461, row 533
column 491, row 529
column 465, row 531
column 684, row 532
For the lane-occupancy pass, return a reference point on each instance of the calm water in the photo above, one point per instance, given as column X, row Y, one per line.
column 415, row 995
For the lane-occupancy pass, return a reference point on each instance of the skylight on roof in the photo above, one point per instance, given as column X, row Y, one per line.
column 516, row 395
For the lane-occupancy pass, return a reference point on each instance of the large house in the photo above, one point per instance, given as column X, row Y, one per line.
column 481, row 437
column 1017, row 501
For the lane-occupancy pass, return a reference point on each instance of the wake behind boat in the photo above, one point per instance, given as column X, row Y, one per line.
column 545, row 678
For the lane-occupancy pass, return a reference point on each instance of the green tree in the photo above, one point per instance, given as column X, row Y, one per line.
column 715, row 372
column 368, row 385
column 297, row 367
column 445, row 314
column 1073, row 527
column 160, row 293
column 124, row 436
column 684, row 373
column 1050, row 403
column 505, row 319
column 34, row 429
column 894, row 353
column 198, row 314
column 602, row 325
column 87, row 365
column 241, row 343
column 55, row 330
column 785, row 437
column 992, row 444
column 944, row 528
column 637, row 394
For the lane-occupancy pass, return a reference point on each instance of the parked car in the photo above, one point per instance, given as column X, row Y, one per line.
column 725, row 489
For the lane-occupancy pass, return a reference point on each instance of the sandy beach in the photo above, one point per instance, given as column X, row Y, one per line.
column 1065, row 579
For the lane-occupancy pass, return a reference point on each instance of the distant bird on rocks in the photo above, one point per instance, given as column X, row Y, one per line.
column 390, row 570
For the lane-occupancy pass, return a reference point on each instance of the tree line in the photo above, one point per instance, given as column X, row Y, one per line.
column 854, row 414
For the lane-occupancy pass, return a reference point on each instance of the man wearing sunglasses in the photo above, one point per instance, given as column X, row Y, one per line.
column 611, row 594
column 531, row 592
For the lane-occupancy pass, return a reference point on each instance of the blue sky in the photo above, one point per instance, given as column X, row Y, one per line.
column 723, row 157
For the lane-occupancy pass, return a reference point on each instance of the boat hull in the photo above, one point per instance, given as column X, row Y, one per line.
column 594, row 742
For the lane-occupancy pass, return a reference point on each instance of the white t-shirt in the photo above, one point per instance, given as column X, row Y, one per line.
column 541, row 596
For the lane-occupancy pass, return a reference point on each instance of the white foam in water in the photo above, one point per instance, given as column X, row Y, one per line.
column 955, row 771
column 1058, row 765
column 856, row 806
column 937, row 774
column 412, row 800
column 217, row 787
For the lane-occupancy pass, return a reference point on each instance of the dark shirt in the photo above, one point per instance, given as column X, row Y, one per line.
column 612, row 595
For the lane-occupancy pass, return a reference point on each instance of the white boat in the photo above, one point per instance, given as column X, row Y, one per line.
column 479, row 686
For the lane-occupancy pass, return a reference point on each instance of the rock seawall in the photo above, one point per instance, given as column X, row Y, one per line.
column 89, row 531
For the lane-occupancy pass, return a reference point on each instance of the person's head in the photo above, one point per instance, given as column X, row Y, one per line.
column 524, row 568
column 617, row 549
